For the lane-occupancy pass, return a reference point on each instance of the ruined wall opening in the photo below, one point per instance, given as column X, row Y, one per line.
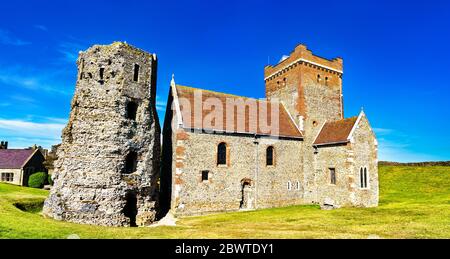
column 247, row 195
column 131, row 110
column 136, row 72
column 130, row 209
column 102, row 73
column 131, row 163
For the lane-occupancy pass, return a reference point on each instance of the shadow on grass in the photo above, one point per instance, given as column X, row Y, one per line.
column 30, row 206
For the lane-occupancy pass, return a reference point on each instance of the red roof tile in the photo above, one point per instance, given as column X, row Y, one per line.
column 14, row 158
column 252, row 122
column 336, row 131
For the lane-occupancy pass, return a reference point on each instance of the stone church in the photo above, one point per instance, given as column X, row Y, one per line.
column 312, row 154
column 220, row 152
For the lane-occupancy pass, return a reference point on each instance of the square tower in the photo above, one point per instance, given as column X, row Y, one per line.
column 308, row 85
column 108, row 163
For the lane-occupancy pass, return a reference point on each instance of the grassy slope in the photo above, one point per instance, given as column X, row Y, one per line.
column 415, row 203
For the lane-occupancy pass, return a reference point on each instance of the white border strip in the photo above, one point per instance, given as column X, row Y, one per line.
column 177, row 103
column 292, row 119
column 355, row 126
column 320, row 131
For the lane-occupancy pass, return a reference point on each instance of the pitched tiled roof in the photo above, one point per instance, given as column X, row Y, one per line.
column 287, row 127
column 336, row 132
column 14, row 158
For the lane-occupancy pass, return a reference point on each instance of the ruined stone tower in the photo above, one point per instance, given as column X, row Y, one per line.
column 108, row 163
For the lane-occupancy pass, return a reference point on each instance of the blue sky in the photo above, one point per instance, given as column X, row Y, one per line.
column 396, row 58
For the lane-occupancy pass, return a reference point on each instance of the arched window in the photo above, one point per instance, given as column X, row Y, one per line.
column 270, row 159
column 298, row 186
column 222, row 154
column 289, row 185
column 318, row 78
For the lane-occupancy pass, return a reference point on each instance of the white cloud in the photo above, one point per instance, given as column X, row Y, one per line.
column 7, row 39
column 40, row 27
column 22, row 133
column 70, row 51
column 396, row 146
column 160, row 105
column 382, row 131
column 33, row 79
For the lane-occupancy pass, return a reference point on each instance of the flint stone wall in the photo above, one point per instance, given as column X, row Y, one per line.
column 197, row 152
column 90, row 182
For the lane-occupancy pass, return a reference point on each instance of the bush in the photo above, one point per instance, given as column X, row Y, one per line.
column 49, row 180
column 37, row 180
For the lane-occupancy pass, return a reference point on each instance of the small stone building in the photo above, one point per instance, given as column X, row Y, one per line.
column 218, row 154
column 108, row 163
column 16, row 165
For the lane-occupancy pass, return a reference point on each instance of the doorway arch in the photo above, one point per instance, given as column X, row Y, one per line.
column 247, row 195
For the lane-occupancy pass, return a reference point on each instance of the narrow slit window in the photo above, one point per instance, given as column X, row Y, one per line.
column 333, row 176
column 365, row 178
column 82, row 69
column 361, row 177
column 136, row 73
column 270, row 156
column 102, row 73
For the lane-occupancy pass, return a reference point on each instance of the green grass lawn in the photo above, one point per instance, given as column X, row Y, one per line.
column 415, row 203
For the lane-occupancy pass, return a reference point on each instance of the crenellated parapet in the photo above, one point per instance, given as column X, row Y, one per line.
column 301, row 56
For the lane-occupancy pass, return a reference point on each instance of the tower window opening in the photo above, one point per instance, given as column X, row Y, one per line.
column 102, row 73
column 136, row 73
column 318, row 79
column 82, row 69
column 131, row 163
column 130, row 210
column 131, row 111
column 326, row 80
